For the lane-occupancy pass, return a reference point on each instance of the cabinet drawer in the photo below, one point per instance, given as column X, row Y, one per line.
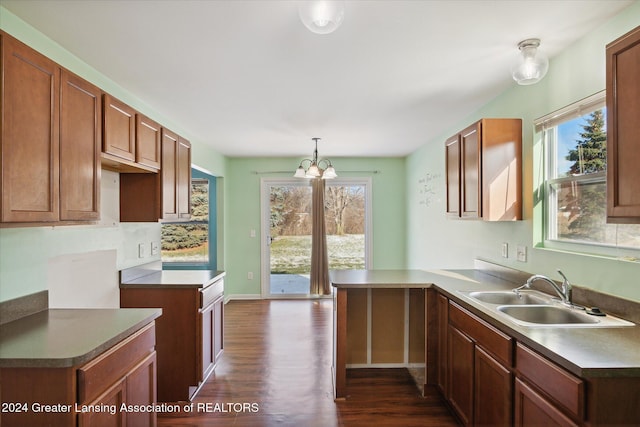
column 211, row 293
column 491, row 339
column 566, row 390
column 113, row 364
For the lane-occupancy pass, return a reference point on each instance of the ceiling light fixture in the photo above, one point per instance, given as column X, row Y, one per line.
column 314, row 170
column 321, row 16
column 532, row 65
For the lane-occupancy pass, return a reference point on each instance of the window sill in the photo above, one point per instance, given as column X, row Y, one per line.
column 594, row 251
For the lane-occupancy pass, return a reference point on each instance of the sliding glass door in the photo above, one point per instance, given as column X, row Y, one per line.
column 286, row 225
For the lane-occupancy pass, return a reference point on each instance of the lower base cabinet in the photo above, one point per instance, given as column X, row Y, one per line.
column 492, row 380
column 189, row 333
column 88, row 395
column 479, row 378
column 533, row 409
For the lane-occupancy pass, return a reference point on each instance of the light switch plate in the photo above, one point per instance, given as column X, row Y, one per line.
column 140, row 250
column 521, row 253
column 505, row 250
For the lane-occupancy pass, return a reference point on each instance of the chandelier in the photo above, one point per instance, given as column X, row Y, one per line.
column 315, row 169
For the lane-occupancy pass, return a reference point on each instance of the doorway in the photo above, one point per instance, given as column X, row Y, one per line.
column 286, row 232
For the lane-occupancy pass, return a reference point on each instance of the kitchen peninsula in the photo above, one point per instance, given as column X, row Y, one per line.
column 489, row 369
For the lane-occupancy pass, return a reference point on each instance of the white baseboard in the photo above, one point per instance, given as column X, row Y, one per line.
column 228, row 298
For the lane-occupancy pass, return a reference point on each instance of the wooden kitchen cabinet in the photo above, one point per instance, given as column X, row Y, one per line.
column 623, row 128
column 51, row 138
column 123, row 374
column 176, row 176
column 546, row 391
column 80, row 145
column 532, row 409
column 162, row 196
column 479, row 378
column 484, row 171
column 148, row 134
column 460, row 371
column 442, row 328
column 189, row 333
column 30, row 134
column 119, row 129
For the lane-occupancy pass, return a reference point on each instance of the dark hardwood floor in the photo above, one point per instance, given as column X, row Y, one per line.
column 276, row 371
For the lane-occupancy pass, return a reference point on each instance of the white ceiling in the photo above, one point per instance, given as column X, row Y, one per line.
column 249, row 79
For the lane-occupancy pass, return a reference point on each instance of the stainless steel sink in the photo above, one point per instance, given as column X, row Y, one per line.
column 546, row 314
column 508, row 298
column 560, row 316
column 532, row 308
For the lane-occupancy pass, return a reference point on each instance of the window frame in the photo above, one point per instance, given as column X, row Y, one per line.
column 197, row 174
column 546, row 127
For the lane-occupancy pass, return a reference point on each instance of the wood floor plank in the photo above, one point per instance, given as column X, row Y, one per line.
column 276, row 371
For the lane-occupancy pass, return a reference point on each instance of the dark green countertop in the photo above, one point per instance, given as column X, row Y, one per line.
column 59, row 338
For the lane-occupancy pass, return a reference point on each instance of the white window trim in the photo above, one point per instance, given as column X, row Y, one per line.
column 542, row 125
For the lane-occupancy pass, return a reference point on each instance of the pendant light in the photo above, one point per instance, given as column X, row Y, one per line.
column 321, row 16
column 315, row 170
column 531, row 65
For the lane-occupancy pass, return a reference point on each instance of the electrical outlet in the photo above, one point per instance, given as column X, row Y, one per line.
column 505, row 250
column 521, row 253
column 141, row 250
column 154, row 248
column 250, row 275
column 252, row 233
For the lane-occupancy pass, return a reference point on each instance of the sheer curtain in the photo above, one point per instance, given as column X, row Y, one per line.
column 319, row 258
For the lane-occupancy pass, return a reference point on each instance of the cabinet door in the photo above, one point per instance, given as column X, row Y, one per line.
column 443, row 319
column 80, row 145
column 218, row 329
column 148, row 135
column 114, row 397
column 169, row 177
column 183, row 173
column 30, row 134
column 119, row 129
column 176, row 176
column 623, row 128
column 207, row 362
column 460, row 375
column 493, row 391
column 470, row 172
column 452, row 152
column 532, row 409
column 141, row 390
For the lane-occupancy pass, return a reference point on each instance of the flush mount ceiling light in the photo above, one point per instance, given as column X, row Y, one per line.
column 315, row 170
column 532, row 65
column 321, row 16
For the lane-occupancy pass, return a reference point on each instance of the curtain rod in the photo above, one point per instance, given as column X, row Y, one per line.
column 291, row 172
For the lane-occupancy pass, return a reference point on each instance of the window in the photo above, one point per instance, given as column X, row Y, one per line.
column 192, row 244
column 575, row 143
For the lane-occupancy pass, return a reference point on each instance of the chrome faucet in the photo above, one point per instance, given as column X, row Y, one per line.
column 564, row 292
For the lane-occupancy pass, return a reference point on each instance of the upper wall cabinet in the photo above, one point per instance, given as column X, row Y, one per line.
column 162, row 196
column 49, row 142
column 148, row 134
column 484, row 171
column 80, row 142
column 623, row 129
column 131, row 142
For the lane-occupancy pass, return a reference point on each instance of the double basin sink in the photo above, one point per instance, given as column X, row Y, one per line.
column 533, row 308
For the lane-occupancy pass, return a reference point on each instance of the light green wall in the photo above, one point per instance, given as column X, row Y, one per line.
column 435, row 242
column 25, row 252
column 243, row 213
